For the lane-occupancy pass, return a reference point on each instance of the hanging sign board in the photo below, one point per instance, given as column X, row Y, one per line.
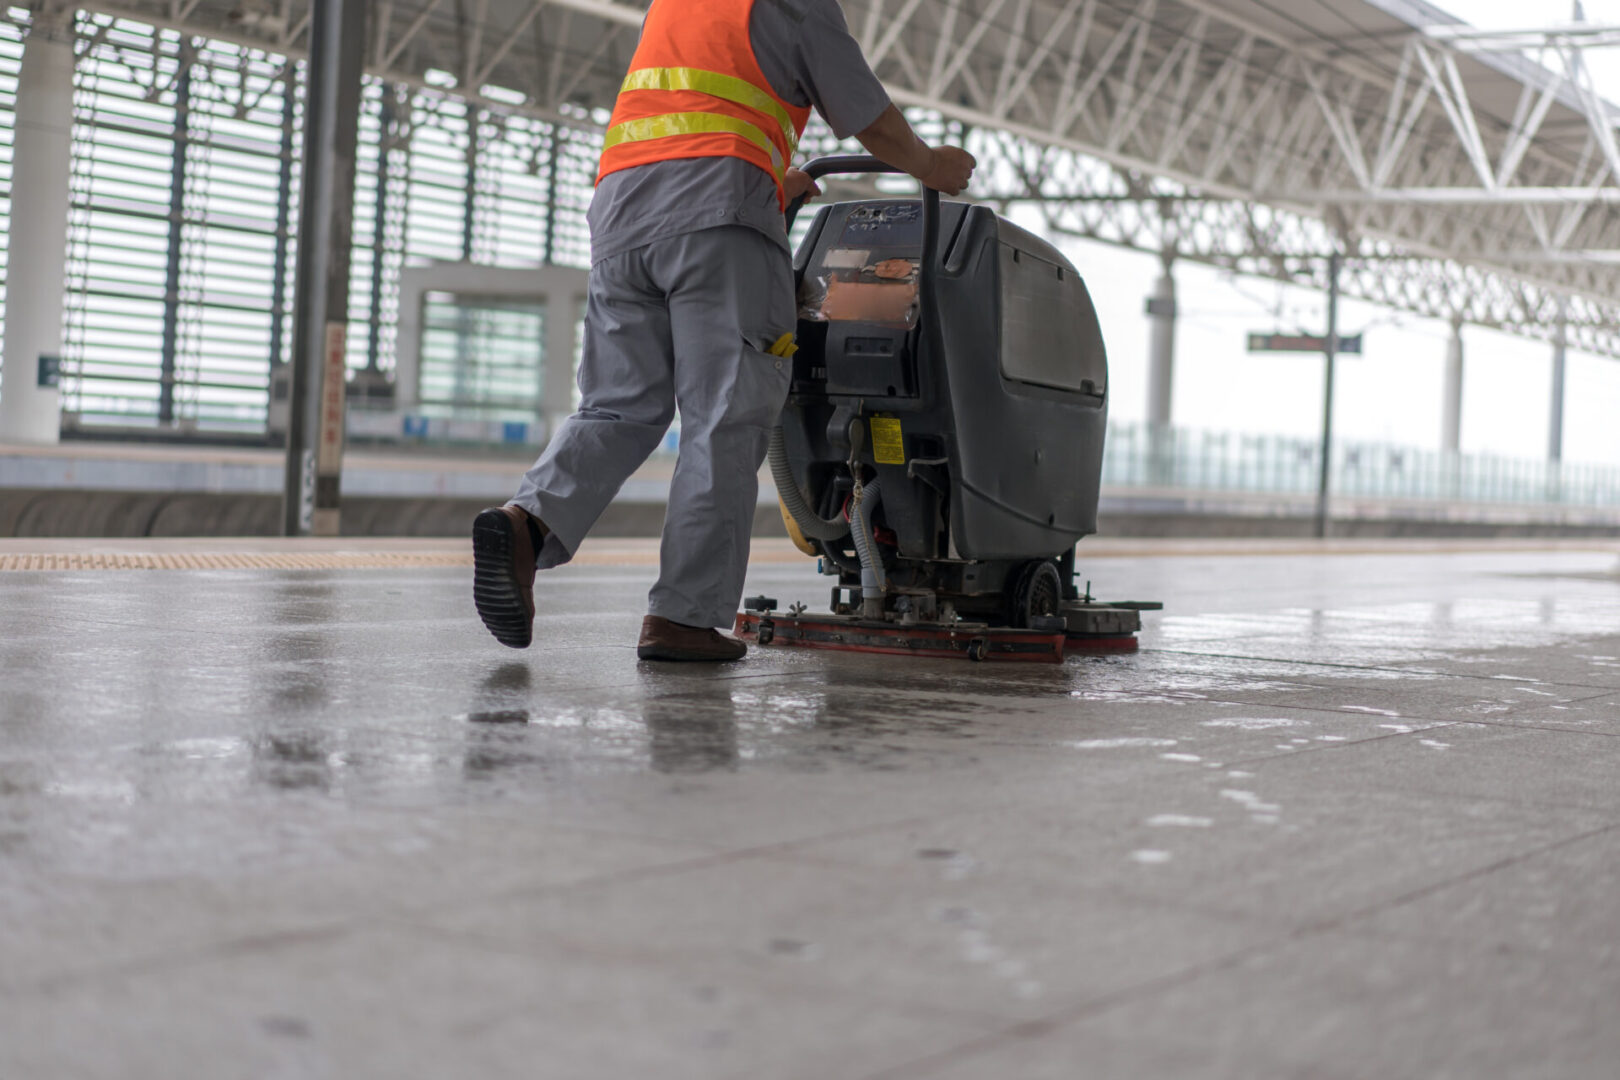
column 1303, row 343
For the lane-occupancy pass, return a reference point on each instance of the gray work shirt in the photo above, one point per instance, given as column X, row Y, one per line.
column 806, row 52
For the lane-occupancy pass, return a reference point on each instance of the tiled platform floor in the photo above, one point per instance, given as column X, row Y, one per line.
column 1346, row 815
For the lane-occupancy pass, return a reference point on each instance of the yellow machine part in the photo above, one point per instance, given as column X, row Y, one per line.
column 793, row 530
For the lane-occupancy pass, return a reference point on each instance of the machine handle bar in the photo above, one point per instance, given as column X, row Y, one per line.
column 850, row 165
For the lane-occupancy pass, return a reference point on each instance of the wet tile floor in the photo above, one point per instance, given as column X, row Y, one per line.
column 1347, row 815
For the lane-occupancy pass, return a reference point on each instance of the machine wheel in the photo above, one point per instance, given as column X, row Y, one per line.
column 1036, row 593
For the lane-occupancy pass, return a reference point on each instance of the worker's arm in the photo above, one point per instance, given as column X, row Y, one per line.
column 891, row 140
column 807, row 52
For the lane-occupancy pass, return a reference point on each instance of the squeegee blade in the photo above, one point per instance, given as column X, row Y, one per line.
column 835, row 634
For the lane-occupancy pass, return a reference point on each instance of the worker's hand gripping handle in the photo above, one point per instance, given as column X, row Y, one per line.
column 858, row 164
column 848, row 164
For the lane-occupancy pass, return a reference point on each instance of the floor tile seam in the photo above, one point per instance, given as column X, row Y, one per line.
column 638, row 957
column 1379, row 668
column 224, row 948
column 1485, row 942
column 1113, row 892
column 1426, row 792
column 1044, row 1026
column 1416, row 676
column 786, row 852
column 1342, row 711
column 1336, row 710
column 674, row 868
column 1315, row 747
column 1598, row 690
column 1338, row 922
column 1599, row 812
column 1552, row 729
column 1296, row 661
column 1258, row 916
column 1610, row 692
column 59, row 617
column 572, row 826
column 787, row 855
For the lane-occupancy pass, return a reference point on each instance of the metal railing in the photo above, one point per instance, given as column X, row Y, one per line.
column 1177, row 458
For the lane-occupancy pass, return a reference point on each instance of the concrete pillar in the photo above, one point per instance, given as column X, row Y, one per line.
column 563, row 308
column 1555, row 422
column 30, row 403
column 1451, row 419
column 312, row 488
column 1161, row 310
column 1330, row 354
column 177, row 238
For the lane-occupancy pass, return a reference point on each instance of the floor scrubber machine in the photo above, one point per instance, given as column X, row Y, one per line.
column 941, row 449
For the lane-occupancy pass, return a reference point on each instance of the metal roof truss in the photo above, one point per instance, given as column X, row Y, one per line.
column 1483, row 181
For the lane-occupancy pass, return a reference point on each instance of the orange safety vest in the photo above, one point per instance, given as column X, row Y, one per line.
column 695, row 90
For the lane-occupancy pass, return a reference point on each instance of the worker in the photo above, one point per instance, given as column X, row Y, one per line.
column 691, row 302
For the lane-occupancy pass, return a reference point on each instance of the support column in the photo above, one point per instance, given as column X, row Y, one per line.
column 1161, row 310
column 41, row 193
column 278, row 381
column 1451, row 418
column 379, row 226
column 312, row 491
column 563, row 307
column 1555, row 422
column 177, row 238
column 1324, row 486
column 551, row 194
column 278, row 290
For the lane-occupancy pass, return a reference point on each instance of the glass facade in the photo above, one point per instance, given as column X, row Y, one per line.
column 481, row 357
column 185, row 210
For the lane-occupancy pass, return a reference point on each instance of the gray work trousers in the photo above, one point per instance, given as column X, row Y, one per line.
column 687, row 321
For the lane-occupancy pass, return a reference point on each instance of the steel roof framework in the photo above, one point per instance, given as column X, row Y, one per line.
column 1464, row 179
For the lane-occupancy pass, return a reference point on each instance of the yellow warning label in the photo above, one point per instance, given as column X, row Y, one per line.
column 888, row 447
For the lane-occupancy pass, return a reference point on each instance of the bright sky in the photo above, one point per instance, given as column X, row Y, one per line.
column 1393, row 393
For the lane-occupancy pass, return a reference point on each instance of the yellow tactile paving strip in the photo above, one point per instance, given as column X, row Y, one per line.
column 398, row 554
column 274, row 555
column 229, row 561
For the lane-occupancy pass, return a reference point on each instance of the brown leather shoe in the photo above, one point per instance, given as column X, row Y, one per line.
column 504, row 542
column 665, row 640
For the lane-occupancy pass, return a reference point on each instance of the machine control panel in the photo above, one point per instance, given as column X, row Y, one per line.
column 885, row 225
column 860, row 299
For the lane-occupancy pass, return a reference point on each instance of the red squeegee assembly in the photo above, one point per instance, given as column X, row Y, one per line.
column 1092, row 628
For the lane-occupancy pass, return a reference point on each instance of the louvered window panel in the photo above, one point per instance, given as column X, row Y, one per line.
column 11, row 48
column 182, row 242
column 179, row 152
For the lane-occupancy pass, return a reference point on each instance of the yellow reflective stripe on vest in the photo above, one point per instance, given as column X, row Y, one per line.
column 672, row 124
column 725, row 87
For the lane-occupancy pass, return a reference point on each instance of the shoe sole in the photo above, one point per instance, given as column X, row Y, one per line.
column 495, row 591
column 675, row 656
